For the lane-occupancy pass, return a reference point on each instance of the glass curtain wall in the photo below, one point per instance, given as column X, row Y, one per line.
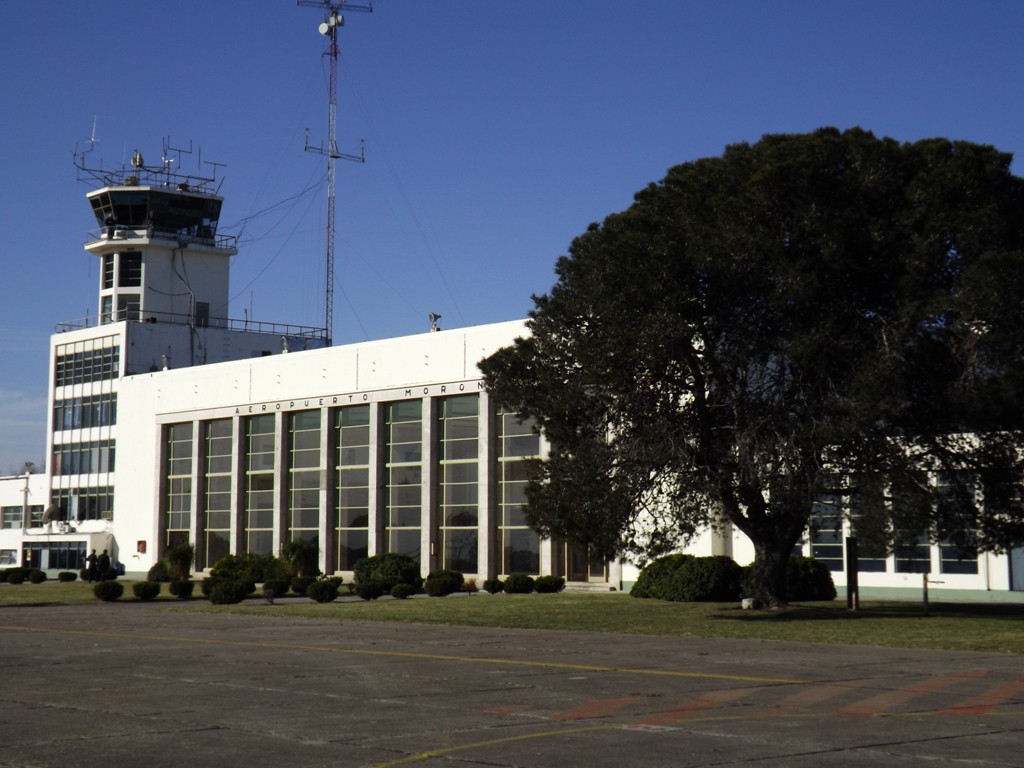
column 403, row 424
column 304, row 475
column 517, row 441
column 458, row 476
column 179, row 483
column 259, row 484
column 352, row 515
column 217, row 501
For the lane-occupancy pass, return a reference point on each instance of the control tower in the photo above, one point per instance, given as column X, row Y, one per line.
column 162, row 302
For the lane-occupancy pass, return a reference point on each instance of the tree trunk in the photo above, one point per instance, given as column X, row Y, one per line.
column 770, row 565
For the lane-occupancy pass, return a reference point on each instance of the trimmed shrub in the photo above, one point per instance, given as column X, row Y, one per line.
column 494, row 586
column 549, row 584
column 182, row 588
column 67, row 576
column 108, row 591
column 443, row 582
column 469, row 586
column 15, row 577
column 684, row 578
column 519, row 584
column 300, row 585
column 146, row 590
column 370, row 590
column 229, row 591
column 276, row 588
column 108, row 575
column 709, row 579
column 178, row 560
column 37, row 577
column 389, row 569
column 322, row 590
column 158, row 572
column 402, row 591
column 656, row 575
column 253, row 569
column 809, row 579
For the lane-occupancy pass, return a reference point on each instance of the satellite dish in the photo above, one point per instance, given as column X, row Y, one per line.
column 52, row 513
column 324, row 28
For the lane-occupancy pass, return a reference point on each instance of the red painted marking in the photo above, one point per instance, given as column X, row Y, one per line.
column 705, row 702
column 816, row 695
column 596, row 708
column 983, row 702
column 884, row 701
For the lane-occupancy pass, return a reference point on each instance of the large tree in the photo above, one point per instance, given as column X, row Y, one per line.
column 810, row 311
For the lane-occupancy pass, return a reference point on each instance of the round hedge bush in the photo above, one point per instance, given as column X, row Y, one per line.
column 300, row 584
column 494, row 586
column 229, row 592
column 809, row 579
column 655, row 577
column 37, row 577
column 322, row 590
column 389, row 569
column 182, row 589
column 276, row 588
column 549, row 584
column 402, row 591
column 108, row 591
column 443, row 582
column 519, row 584
column 146, row 590
column 67, row 576
column 369, row 590
column 16, row 577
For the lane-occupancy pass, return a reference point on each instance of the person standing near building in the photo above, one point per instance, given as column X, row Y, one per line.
column 103, row 563
column 91, row 568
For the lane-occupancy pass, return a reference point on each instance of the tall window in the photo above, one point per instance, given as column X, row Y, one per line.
column 352, row 516
column 259, row 484
column 827, row 531
column 518, row 440
column 179, row 482
column 107, row 277
column 217, row 501
column 304, row 474
column 952, row 494
column 458, row 476
column 129, row 273
column 128, row 305
column 403, row 494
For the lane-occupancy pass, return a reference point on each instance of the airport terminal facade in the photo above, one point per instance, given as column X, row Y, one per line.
column 169, row 422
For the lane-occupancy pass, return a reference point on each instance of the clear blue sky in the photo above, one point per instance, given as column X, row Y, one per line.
column 495, row 133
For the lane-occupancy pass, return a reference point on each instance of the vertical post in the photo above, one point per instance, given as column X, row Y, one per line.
column 924, row 588
column 852, row 571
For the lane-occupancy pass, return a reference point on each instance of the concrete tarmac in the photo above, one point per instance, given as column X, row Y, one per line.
column 129, row 684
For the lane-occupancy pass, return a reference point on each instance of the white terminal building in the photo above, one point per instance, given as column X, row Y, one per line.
column 169, row 422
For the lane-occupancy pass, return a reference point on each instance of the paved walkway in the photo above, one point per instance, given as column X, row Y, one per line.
column 124, row 684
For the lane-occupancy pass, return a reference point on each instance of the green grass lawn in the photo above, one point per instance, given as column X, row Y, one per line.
column 953, row 626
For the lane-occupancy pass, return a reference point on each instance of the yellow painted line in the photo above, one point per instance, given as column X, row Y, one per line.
column 409, row 655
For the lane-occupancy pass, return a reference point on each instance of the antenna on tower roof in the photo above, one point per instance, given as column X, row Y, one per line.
column 329, row 29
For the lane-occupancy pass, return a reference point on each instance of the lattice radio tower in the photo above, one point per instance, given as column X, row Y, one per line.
column 329, row 29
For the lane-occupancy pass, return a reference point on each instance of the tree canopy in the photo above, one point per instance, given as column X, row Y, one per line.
column 806, row 313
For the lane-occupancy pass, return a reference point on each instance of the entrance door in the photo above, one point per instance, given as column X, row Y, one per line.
column 580, row 567
column 1017, row 569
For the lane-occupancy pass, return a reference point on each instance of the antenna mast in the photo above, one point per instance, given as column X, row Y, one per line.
column 329, row 29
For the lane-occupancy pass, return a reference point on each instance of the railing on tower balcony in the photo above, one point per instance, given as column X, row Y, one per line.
column 183, row 239
column 169, row 318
